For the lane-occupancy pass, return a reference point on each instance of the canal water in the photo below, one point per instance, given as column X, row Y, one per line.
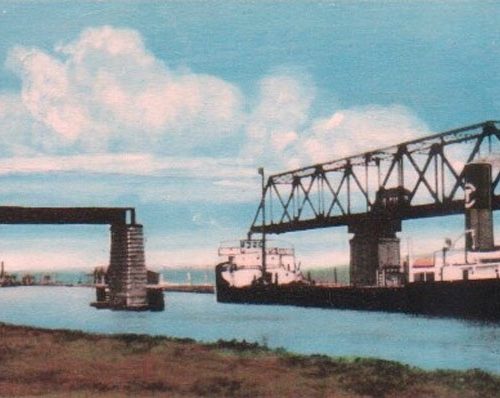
column 429, row 343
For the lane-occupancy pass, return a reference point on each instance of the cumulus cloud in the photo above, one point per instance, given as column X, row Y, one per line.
column 105, row 103
column 283, row 108
column 283, row 133
column 344, row 133
column 351, row 131
column 105, row 91
column 19, row 133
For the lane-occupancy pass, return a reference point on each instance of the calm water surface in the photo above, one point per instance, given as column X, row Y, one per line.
column 425, row 342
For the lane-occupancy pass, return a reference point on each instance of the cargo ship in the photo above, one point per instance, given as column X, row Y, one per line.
column 453, row 282
column 468, row 289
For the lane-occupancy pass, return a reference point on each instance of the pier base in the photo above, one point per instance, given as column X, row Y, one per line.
column 126, row 277
column 155, row 300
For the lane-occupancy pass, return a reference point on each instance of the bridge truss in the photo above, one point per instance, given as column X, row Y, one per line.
column 425, row 174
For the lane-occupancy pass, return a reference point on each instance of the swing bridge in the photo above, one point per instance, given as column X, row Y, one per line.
column 373, row 192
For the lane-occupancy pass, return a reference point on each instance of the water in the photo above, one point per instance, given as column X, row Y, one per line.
column 429, row 343
column 186, row 275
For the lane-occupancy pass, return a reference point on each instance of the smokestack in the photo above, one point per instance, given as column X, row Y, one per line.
column 478, row 213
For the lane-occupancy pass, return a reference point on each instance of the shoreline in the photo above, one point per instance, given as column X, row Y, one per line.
column 57, row 362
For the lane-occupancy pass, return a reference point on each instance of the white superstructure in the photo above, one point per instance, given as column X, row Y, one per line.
column 450, row 264
column 244, row 263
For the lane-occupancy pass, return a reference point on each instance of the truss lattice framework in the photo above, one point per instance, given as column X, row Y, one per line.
column 429, row 171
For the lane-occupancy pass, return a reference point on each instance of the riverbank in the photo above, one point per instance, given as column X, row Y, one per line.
column 59, row 362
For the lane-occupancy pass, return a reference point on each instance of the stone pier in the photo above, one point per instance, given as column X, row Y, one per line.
column 127, row 275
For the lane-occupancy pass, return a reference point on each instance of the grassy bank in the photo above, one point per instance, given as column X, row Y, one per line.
column 64, row 363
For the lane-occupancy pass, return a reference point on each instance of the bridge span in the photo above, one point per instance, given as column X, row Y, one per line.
column 67, row 215
column 373, row 192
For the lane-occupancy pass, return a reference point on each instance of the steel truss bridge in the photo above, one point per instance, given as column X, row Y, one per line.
column 415, row 179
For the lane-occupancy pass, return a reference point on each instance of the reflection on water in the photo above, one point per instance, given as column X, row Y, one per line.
column 425, row 342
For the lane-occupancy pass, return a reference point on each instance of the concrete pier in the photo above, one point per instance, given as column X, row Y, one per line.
column 127, row 275
column 478, row 207
column 126, row 280
column 374, row 246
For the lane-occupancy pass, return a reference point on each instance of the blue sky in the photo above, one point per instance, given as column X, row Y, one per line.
column 171, row 107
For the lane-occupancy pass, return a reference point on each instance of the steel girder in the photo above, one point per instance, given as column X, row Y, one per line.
column 429, row 171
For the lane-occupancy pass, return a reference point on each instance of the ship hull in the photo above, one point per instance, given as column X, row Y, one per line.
column 473, row 299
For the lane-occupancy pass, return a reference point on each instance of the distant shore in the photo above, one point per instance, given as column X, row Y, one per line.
column 60, row 362
column 166, row 287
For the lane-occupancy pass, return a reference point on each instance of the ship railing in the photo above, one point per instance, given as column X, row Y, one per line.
column 248, row 246
column 270, row 251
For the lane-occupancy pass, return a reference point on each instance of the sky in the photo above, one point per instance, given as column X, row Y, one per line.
column 170, row 107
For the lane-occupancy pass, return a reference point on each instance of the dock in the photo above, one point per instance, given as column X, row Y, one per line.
column 183, row 288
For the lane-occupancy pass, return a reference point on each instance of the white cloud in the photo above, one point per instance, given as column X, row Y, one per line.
column 109, row 176
column 353, row 131
column 283, row 108
column 106, row 92
column 103, row 104
column 282, row 139
column 17, row 128
column 137, row 164
column 283, row 134
column 47, row 92
column 105, row 89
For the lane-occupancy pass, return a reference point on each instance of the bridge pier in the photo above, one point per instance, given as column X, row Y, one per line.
column 374, row 247
column 478, row 207
column 127, row 275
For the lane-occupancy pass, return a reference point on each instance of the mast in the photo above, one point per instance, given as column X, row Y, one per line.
column 263, row 203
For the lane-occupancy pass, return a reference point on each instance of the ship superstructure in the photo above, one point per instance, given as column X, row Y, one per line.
column 244, row 263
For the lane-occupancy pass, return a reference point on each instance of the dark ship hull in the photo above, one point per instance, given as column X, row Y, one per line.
column 473, row 299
